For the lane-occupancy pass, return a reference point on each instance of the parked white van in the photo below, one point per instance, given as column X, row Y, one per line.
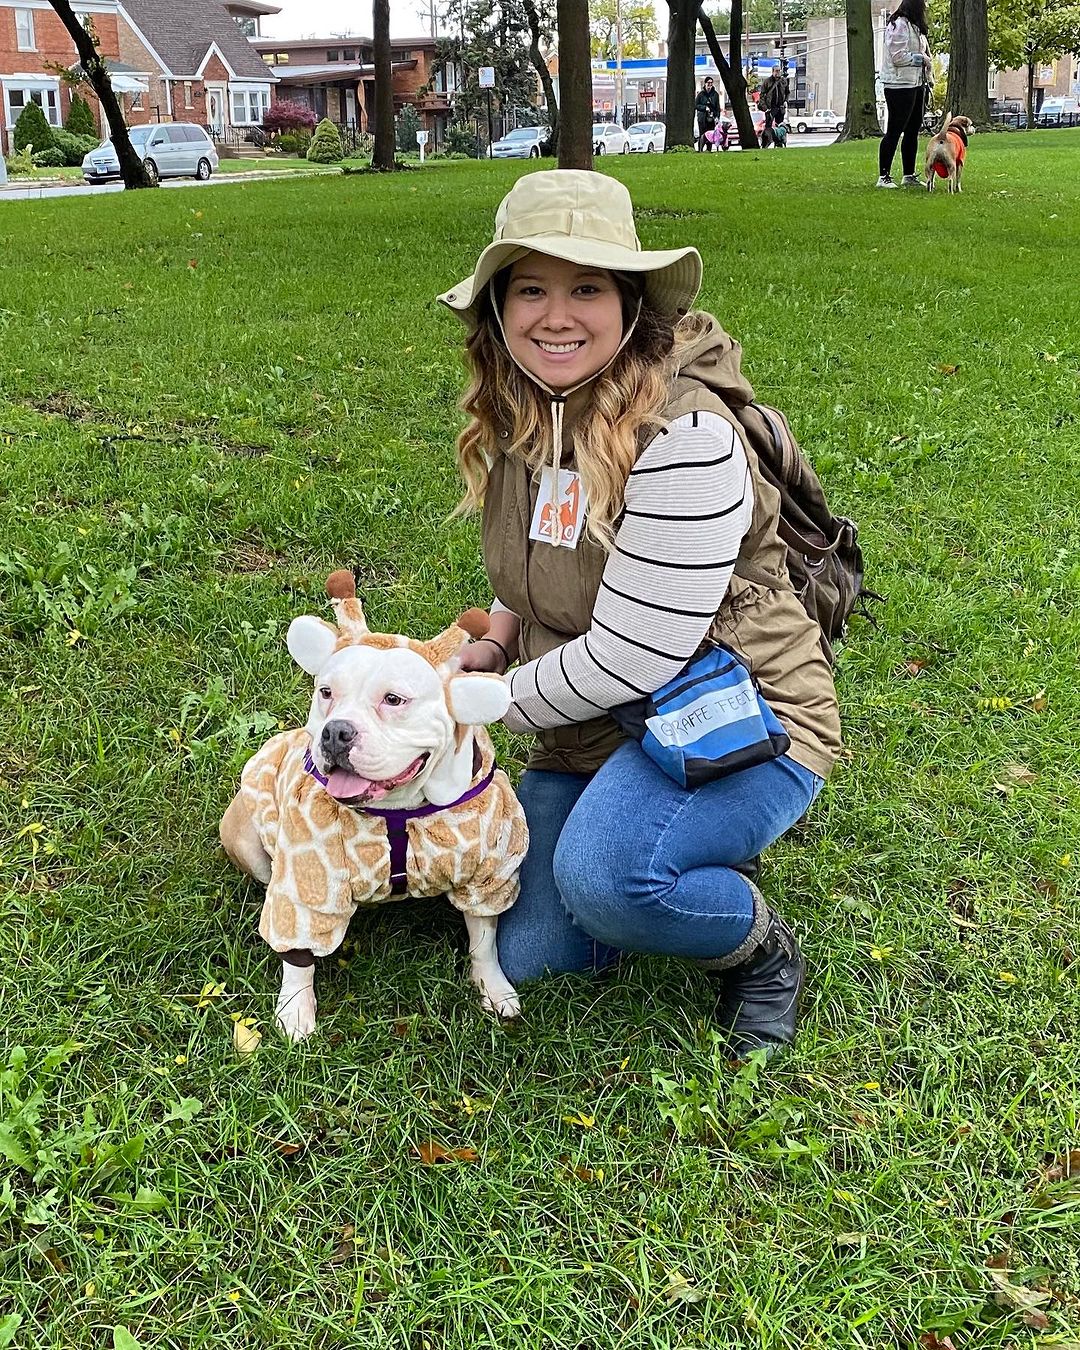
column 168, row 149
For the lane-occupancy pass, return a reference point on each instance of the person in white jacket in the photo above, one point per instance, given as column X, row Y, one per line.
column 905, row 73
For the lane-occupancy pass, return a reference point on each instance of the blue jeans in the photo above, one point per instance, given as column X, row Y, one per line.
column 626, row 860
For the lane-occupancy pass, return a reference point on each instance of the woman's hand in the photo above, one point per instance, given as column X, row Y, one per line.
column 483, row 655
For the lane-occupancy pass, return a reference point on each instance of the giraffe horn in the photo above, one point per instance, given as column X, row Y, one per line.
column 341, row 588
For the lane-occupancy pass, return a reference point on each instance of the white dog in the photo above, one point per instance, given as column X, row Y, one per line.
column 391, row 789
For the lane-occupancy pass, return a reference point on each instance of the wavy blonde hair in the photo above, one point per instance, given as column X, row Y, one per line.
column 507, row 411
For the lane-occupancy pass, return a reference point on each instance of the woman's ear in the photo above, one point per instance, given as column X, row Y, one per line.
column 476, row 700
column 310, row 642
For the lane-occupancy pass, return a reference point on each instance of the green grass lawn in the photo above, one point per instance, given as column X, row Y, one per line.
column 211, row 400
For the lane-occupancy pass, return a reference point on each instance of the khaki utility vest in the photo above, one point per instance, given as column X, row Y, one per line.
column 553, row 591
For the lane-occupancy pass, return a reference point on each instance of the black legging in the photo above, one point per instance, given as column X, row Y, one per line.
column 905, row 118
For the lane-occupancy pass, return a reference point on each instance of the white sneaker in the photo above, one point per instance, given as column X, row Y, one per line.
column 911, row 180
column 886, row 181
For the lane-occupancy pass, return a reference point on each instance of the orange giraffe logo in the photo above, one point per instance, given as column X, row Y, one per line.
column 568, row 513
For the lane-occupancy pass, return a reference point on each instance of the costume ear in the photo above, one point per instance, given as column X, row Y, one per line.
column 310, row 642
column 475, row 700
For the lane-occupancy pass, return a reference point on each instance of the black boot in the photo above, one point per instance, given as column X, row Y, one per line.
column 760, row 983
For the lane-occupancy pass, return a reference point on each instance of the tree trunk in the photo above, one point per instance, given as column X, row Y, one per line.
column 1029, row 93
column 382, row 156
column 732, row 77
column 540, row 66
column 747, row 135
column 860, row 115
column 575, row 85
column 682, row 27
column 132, row 169
column 969, row 61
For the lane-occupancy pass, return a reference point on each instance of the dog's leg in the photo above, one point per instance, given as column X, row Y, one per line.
column 497, row 994
column 240, row 840
column 296, row 1002
column 959, row 174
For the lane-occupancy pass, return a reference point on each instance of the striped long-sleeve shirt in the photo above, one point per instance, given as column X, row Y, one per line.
column 689, row 502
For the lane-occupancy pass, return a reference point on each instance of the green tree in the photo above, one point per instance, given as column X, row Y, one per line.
column 495, row 33
column 406, row 127
column 325, row 147
column 1029, row 33
column 639, row 29
column 80, row 120
column 33, row 129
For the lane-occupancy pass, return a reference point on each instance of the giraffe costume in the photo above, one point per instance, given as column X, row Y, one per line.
column 326, row 857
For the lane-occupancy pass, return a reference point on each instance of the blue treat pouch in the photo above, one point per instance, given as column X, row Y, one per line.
column 707, row 722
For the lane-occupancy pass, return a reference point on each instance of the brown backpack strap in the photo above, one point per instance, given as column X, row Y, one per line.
column 759, row 576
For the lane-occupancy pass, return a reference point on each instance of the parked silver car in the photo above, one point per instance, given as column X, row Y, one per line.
column 169, row 150
column 524, row 143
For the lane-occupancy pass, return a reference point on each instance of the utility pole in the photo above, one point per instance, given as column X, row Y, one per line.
column 618, row 64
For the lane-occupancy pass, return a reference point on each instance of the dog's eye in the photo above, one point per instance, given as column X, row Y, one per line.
column 326, row 692
column 393, row 700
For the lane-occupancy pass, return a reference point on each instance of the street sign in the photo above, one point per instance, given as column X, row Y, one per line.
column 486, row 76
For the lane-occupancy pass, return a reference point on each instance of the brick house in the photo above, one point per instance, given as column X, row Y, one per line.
column 207, row 70
column 335, row 77
column 170, row 60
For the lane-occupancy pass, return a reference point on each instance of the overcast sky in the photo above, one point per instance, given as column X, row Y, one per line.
column 324, row 18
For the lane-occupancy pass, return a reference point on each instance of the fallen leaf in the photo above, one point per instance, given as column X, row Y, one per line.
column 345, row 1248
column 1068, row 1165
column 1038, row 703
column 1006, row 977
column 917, row 666
column 122, row 1339
column 401, row 1029
column 963, row 923
column 209, row 993
column 245, row 1038
column 284, row 1149
column 193, row 263
column 1018, row 773
column 432, row 1153
column 1037, row 1320
column 682, row 1290
column 583, row 1121
column 851, row 1239
column 948, row 370
column 1016, row 1297
column 930, row 1340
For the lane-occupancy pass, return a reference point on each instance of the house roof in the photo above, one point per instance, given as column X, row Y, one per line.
column 251, row 8
column 183, row 32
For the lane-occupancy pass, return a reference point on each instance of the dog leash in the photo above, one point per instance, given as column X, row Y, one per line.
column 397, row 821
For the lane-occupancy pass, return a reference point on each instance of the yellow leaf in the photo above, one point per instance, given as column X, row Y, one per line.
column 1006, row 977
column 209, row 993
column 233, row 1295
column 580, row 1119
column 91, row 1290
column 180, row 1059
column 881, row 953
column 1065, row 860
column 74, row 636
column 872, row 1087
column 245, row 1039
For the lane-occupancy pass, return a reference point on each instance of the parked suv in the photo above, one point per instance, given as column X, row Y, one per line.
column 169, row 150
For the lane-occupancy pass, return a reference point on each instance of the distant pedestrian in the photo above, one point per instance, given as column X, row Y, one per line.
column 773, row 98
column 905, row 74
column 707, row 110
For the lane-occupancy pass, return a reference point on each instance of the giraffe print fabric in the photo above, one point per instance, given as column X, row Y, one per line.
column 328, row 858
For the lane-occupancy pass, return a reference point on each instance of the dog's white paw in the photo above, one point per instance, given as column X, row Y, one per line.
column 296, row 1014
column 500, row 999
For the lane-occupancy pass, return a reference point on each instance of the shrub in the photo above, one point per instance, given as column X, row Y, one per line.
column 294, row 142
column 49, row 159
column 32, row 129
column 406, row 127
column 288, row 116
column 325, row 147
column 679, row 150
column 461, row 141
column 72, row 148
column 80, row 120
column 20, row 165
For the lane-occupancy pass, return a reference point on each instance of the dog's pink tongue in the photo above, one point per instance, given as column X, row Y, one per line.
column 344, row 785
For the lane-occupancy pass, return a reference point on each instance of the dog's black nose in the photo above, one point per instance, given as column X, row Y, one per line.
column 337, row 737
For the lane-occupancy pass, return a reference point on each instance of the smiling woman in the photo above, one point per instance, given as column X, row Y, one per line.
column 618, row 497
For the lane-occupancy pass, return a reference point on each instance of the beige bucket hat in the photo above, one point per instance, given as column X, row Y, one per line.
column 582, row 217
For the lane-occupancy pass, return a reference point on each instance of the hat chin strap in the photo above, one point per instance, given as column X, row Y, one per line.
column 558, row 402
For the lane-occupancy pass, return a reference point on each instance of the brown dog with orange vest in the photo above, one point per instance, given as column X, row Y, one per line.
column 947, row 151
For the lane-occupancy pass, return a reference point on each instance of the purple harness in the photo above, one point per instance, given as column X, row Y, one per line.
column 396, row 822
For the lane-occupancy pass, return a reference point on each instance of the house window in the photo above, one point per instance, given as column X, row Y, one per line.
column 48, row 100
column 188, row 101
column 249, row 27
column 400, row 54
column 283, row 58
column 334, row 54
column 24, row 30
column 249, row 106
column 136, row 101
column 348, row 54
